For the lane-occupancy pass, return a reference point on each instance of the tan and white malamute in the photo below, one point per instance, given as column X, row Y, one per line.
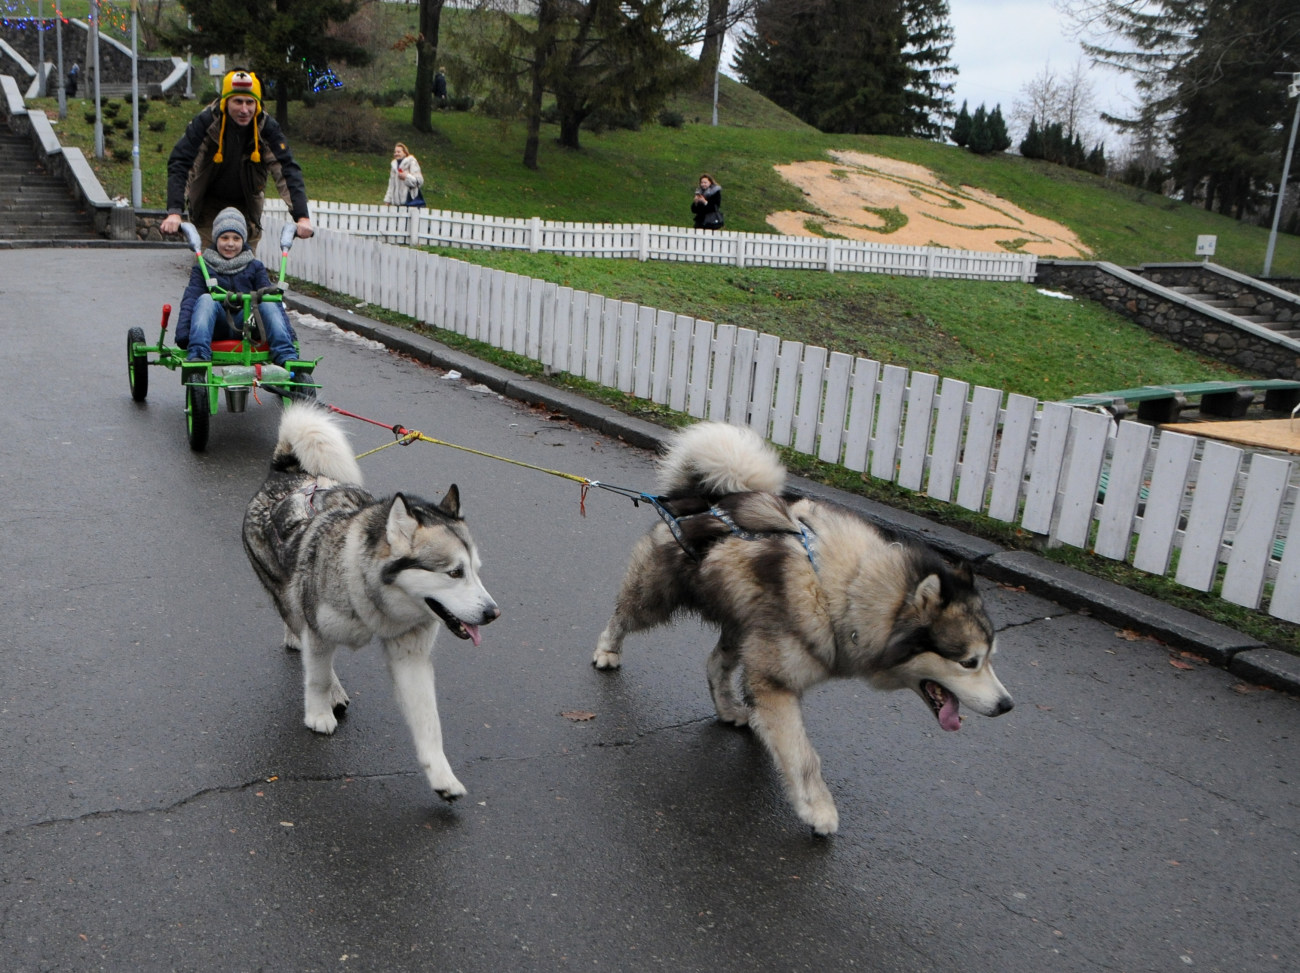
column 802, row 591
column 344, row 568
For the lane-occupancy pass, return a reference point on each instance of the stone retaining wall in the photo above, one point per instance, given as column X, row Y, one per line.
column 1245, row 294
column 1171, row 319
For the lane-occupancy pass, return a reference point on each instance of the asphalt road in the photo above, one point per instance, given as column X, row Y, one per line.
column 164, row 807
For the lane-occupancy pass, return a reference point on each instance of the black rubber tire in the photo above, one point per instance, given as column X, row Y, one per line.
column 197, row 415
column 307, row 393
column 137, row 365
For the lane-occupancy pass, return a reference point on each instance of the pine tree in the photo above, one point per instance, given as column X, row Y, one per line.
column 1032, row 145
column 927, row 51
column 961, row 127
column 981, row 139
column 998, row 136
column 849, row 65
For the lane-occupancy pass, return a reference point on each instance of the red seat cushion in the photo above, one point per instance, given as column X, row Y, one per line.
column 238, row 346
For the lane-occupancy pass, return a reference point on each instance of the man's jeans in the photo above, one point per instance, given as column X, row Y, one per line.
column 203, row 320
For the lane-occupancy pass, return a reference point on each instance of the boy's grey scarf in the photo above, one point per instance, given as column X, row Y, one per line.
column 218, row 264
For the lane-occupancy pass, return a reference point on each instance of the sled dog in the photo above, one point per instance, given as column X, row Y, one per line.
column 802, row 591
column 344, row 567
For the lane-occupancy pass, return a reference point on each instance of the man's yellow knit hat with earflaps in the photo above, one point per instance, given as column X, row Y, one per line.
column 243, row 83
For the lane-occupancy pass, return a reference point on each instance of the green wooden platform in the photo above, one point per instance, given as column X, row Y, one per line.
column 1163, row 403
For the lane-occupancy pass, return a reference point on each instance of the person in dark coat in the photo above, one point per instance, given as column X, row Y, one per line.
column 440, row 88
column 74, row 76
column 224, row 158
column 235, row 269
column 707, row 204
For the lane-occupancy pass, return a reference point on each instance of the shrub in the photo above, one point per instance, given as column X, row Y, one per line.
column 158, row 125
column 346, row 124
column 89, row 117
column 671, row 119
column 460, row 103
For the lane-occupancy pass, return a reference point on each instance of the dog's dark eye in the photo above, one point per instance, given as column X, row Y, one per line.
column 456, row 573
column 970, row 663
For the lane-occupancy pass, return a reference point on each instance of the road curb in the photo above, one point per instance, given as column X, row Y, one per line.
column 1222, row 646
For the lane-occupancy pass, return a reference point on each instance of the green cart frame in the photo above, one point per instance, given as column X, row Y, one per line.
column 237, row 367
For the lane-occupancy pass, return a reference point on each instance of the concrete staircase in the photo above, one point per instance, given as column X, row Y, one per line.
column 34, row 205
column 1278, row 315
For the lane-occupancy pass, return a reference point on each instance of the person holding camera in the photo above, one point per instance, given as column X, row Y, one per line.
column 707, row 204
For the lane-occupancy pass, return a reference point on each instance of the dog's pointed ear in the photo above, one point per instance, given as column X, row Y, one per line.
column 450, row 504
column 963, row 572
column 401, row 522
column 927, row 598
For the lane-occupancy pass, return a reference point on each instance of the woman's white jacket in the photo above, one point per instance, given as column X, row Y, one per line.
column 404, row 180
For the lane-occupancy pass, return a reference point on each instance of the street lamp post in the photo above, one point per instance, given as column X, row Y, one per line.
column 135, row 108
column 1293, row 90
column 59, row 85
column 99, row 114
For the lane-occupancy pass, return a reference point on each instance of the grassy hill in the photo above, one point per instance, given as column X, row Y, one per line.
column 970, row 330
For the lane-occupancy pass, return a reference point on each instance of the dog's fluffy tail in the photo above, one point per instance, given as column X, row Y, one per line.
column 714, row 459
column 312, row 441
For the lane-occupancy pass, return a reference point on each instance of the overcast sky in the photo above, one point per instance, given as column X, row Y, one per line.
column 1000, row 45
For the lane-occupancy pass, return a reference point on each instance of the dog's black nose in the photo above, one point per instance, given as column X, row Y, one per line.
column 1005, row 705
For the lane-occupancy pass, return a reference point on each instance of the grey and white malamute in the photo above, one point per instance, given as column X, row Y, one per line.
column 344, row 567
column 803, row 591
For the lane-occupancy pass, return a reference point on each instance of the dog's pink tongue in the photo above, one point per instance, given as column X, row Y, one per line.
column 473, row 634
column 949, row 717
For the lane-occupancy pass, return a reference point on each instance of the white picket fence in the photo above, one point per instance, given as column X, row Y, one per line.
column 438, row 228
column 1122, row 490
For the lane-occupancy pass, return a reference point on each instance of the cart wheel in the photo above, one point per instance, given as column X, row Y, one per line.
column 137, row 365
column 304, row 393
column 197, row 414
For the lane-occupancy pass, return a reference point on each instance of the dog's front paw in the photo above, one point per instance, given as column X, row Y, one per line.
column 821, row 815
column 446, row 786
column 321, row 720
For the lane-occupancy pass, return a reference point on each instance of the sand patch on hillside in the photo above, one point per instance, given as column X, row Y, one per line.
column 867, row 197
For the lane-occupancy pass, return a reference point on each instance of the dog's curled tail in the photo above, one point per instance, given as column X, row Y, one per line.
column 716, row 458
column 311, row 440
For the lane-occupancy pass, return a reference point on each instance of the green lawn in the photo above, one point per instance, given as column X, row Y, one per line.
column 1003, row 335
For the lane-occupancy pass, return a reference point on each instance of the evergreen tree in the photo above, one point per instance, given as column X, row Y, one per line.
column 1096, row 161
column 280, row 49
column 1215, row 72
column 1032, row 145
column 961, row 127
column 981, row 139
column 998, row 136
column 927, row 51
column 859, row 66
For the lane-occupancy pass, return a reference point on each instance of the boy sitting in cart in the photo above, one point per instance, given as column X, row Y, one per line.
column 231, row 265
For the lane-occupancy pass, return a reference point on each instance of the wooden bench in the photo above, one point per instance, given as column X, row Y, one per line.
column 1163, row 403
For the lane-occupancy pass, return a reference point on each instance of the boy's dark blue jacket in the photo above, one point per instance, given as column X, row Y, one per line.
column 249, row 278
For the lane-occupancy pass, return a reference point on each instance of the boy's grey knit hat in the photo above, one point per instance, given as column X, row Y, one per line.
column 230, row 220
